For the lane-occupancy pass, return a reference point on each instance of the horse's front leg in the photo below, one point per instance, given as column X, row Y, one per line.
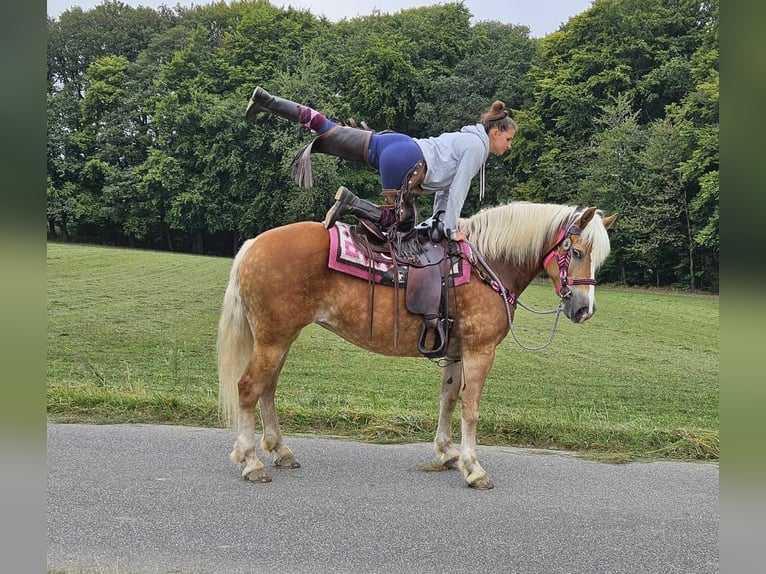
column 452, row 378
column 475, row 371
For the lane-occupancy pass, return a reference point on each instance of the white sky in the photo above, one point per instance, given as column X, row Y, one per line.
column 542, row 16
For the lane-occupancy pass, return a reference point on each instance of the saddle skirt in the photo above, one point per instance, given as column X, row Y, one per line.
column 351, row 253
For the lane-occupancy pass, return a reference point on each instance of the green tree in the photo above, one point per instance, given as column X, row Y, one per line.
column 615, row 182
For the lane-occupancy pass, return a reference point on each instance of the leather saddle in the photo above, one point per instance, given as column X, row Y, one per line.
column 422, row 259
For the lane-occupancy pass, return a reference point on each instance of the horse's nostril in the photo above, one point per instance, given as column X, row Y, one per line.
column 583, row 313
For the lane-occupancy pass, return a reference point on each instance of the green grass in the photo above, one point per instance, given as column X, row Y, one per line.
column 131, row 338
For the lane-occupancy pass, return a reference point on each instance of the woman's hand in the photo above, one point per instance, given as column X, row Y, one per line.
column 457, row 235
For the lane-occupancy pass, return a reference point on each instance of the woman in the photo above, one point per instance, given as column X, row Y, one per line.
column 451, row 160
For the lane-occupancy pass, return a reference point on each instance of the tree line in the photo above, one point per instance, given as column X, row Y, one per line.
column 148, row 146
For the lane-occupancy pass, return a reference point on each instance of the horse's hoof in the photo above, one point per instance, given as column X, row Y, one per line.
column 256, row 475
column 483, row 483
column 287, row 462
column 432, row 466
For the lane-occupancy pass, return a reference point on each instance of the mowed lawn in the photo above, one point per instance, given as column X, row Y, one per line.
column 131, row 338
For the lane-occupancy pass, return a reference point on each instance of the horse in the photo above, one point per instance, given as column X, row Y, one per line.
column 280, row 283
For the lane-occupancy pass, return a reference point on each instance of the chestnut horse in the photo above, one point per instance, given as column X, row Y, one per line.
column 280, row 283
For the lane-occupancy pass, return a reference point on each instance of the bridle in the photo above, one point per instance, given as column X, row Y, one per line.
column 562, row 250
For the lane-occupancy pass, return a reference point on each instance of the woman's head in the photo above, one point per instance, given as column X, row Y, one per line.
column 500, row 128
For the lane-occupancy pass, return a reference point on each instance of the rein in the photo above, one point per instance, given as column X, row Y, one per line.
column 557, row 310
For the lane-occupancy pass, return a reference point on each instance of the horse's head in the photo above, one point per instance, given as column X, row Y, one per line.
column 580, row 248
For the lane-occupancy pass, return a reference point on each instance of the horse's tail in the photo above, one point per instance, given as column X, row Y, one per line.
column 234, row 345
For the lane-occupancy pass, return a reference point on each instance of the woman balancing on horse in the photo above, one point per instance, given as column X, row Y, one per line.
column 450, row 161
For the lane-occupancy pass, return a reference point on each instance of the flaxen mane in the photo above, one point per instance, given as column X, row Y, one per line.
column 512, row 231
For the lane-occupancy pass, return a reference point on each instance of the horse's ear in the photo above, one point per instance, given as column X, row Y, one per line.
column 609, row 220
column 585, row 217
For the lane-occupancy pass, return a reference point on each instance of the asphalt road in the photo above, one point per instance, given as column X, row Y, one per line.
column 135, row 499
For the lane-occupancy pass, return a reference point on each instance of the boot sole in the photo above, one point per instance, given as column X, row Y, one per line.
column 330, row 215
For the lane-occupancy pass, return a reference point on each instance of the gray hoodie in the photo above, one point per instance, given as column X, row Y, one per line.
column 452, row 161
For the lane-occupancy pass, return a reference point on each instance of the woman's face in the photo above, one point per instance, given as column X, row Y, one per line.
column 500, row 142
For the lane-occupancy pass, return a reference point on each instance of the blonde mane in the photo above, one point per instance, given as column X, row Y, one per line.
column 519, row 231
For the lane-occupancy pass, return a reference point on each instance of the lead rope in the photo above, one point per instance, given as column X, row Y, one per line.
column 557, row 310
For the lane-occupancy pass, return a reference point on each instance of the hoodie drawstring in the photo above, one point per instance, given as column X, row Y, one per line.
column 481, row 183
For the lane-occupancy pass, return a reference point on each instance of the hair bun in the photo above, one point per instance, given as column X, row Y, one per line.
column 497, row 116
column 498, row 110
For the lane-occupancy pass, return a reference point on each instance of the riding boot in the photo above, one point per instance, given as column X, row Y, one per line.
column 351, row 144
column 346, row 203
column 263, row 101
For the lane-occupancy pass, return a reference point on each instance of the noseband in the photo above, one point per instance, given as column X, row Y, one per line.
column 562, row 250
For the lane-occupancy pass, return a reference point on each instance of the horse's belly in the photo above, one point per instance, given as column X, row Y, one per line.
column 384, row 339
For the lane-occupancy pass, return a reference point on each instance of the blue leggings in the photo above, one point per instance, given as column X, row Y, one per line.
column 393, row 155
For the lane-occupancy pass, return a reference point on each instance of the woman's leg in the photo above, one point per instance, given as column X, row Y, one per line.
column 263, row 101
column 394, row 155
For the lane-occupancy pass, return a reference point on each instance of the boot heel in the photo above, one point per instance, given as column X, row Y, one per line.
column 329, row 218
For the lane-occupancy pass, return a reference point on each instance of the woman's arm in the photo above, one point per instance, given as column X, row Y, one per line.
column 451, row 201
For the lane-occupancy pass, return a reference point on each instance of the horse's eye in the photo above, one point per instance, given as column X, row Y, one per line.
column 577, row 253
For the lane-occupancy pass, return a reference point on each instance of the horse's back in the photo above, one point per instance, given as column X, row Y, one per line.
column 289, row 250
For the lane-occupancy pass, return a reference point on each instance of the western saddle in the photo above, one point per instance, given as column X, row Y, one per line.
column 426, row 253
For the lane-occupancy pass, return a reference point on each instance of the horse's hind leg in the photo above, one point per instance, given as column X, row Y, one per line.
column 259, row 378
column 272, row 441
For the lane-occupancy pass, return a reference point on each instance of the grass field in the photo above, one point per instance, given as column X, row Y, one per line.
column 131, row 338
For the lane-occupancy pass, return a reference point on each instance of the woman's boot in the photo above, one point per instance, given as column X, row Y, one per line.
column 346, row 203
column 263, row 101
column 351, row 144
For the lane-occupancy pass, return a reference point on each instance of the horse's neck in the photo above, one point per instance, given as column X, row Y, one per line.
column 514, row 279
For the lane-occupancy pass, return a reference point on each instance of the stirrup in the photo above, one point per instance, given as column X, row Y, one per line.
column 441, row 332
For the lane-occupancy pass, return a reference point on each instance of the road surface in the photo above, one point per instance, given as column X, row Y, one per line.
column 139, row 499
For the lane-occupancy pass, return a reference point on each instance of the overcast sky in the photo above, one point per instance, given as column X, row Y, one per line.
column 542, row 16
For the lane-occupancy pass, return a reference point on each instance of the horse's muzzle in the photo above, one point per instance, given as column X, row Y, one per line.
column 578, row 308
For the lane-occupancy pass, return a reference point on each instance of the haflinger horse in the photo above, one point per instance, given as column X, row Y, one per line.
column 280, row 283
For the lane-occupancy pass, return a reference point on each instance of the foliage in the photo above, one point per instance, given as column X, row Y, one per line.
column 148, row 146
column 612, row 83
